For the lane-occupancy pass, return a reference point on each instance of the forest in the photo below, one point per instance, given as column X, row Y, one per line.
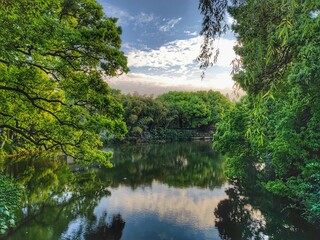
column 54, row 56
column 173, row 116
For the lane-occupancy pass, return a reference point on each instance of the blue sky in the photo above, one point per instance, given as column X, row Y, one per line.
column 160, row 39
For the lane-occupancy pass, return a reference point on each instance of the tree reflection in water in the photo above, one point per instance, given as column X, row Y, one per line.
column 95, row 229
column 236, row 220
column 249, row 213
column 63, row 204
column 111, row 231
column 179, row 165
column 55, row 198
column 60, row 203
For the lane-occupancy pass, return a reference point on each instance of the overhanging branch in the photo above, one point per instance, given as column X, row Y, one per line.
column 33, row 99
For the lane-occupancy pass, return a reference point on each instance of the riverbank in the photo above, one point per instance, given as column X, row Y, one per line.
column 167, row 135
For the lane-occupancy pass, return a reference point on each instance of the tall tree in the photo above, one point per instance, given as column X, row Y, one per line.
column 53, row 54
column 278, row 46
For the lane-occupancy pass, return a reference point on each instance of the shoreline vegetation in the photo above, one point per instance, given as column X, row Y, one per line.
column 165, row 136
column 173, row 116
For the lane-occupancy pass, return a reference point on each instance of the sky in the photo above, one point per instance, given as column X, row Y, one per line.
column 161, row 40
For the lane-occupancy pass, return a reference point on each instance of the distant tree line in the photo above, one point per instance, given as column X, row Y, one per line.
column 171, row 116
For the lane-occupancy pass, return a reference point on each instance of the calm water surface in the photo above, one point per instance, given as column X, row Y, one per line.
column 166, row 191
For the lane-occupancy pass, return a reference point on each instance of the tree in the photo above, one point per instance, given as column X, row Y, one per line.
column 214, row 24
column 195, row 109
column 278, row 46
column 142, row 114
column 53, row 55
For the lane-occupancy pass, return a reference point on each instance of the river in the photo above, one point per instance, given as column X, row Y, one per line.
column 161, row 191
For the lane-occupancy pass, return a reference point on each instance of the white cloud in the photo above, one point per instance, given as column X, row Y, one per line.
column 125, row 17
column 229, row 19
column 173, row 67
column 191, row 33
column 169, row 24
column 154, row 84
column 179, row 53
column 314, row 14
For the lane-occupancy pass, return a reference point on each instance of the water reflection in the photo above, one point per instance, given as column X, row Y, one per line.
column 250, row 213
column 83, row 228
column 169, row 191
column 191, row 206
column 237, row 220
column 54, row 197
column 153, row 192
column 178, row 165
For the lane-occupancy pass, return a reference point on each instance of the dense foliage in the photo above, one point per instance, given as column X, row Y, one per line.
column 10, row 194
column 142, row 114
column 195, row 109
column 171, row 116
column 53, row 54
column 275, row 129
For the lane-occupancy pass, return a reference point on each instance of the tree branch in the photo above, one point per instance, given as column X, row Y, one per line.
column 21, row 132
column 32, row 100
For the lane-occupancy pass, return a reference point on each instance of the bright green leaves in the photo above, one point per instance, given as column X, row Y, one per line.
column 279, row 47
column 142, row 114
column 160, row 117
column 230, row 139
column 284, row 28
column 196, row 109
column 53, row 57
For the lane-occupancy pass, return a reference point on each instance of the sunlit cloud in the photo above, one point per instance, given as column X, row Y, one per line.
column 157, row 85
column 173, row 65
column 179, row 57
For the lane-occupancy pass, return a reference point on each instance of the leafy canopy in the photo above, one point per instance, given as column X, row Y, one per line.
column 168, row 115
column 195, row 109
column 276, row 128
column 53, row 55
